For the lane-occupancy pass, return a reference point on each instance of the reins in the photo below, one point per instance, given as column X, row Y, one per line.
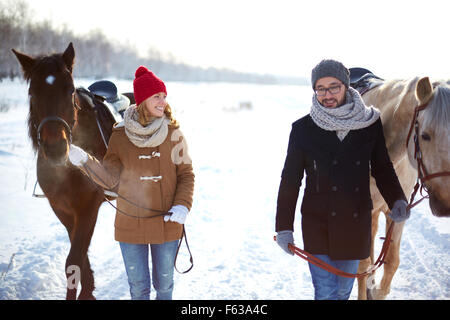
column 47, row 119
column 379, row 262
column 322, row 264
column 422, row 173
column 39, row 127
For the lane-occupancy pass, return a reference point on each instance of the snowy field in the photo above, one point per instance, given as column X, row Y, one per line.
column 237, row 156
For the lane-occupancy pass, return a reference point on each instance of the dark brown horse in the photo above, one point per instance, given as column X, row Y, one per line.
column 59, row 115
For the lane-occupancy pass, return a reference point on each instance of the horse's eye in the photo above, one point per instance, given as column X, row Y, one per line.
column 426, row 136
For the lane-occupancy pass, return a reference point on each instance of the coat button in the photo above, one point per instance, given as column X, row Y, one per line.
column 356, row 189
column 358, row 163
column 333, row 214
column 334, row 188
column 335, row 162
column 355, row 215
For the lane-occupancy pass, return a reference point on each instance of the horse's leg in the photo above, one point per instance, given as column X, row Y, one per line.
column 392, row 261
column 73, row 262
column 87, row 275
column 80, row 240
column 366, row 263
column 87, row 281
column 363, row 266
column 73, row 274
column 68, row 221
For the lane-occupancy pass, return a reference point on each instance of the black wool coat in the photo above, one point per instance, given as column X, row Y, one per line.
column 336, row 206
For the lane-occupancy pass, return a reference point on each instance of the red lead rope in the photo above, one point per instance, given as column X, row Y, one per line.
column 317, row 262
column 380, row 261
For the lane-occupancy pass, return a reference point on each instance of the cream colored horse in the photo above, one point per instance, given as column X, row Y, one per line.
column 397, row 100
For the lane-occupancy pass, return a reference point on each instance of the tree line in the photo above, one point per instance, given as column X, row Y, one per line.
column 97, row 56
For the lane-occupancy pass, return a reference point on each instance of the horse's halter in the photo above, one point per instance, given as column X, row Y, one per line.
column 67, row 127
column 421, row 170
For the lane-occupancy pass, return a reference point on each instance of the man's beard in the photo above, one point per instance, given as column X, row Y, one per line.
column 327, row 102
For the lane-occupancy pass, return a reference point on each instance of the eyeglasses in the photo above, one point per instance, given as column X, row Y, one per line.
column 333, row 90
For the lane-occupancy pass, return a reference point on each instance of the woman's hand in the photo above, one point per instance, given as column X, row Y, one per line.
column 77, row 156
column 179, row 214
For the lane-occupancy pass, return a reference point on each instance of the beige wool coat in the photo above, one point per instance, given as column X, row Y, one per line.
column 157, row 178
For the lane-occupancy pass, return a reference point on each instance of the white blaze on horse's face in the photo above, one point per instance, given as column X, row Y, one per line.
column 50, row 79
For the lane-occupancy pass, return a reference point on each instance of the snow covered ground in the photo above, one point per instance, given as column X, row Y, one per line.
column 237, row 156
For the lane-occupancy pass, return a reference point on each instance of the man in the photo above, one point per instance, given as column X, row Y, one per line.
column 338, row 144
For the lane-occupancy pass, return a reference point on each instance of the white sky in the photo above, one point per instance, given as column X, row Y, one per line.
column 392, row 38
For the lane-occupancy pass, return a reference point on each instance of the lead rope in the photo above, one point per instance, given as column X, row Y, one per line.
column 380, row 261
column 191, row 260
column 320, row 263
column 161, row 213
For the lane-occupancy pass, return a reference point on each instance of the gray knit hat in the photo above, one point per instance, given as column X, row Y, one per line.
column 330, row 68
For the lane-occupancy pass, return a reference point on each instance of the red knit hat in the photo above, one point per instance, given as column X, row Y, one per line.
column 146, row 84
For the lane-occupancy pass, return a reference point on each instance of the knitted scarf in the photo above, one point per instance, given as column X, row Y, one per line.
column 354, row 114
column 151, row 135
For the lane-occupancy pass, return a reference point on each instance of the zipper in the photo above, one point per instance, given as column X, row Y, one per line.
column 317, row 175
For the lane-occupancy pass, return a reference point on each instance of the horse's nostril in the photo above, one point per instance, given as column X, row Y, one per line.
column 56, row 151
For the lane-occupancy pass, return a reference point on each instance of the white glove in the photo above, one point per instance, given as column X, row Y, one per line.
column 77, row 156
column 179, row 214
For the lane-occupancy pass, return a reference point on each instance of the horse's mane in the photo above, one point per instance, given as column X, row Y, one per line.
column 438, row 111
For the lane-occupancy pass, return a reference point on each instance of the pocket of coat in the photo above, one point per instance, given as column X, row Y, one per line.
column 314, row 205
column 126, row 223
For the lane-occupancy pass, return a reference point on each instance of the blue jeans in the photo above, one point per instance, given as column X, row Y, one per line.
column 135, row 257
column 328, row 286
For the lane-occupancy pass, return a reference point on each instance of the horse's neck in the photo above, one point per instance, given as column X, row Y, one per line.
column 396, row 101
column 88, row 139
column 87, row 135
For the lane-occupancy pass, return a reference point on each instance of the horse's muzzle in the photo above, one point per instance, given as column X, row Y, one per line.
column 56, row 153
column 438, row 208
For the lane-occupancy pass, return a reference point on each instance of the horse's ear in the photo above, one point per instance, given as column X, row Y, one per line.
column 69, row 56
column 424, row 90
column 26, row 61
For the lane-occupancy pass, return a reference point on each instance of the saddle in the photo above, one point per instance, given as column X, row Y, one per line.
column 108, row 90
column 105, row 113
column 363, row 80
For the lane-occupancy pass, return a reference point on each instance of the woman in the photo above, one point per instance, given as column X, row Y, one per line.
column 147, row 163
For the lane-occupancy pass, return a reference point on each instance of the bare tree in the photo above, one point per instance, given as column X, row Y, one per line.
column 96, row 55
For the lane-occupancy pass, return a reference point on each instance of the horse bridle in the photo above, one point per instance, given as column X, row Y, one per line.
column 55, row 119
column 67, row 127
column 421, row 170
